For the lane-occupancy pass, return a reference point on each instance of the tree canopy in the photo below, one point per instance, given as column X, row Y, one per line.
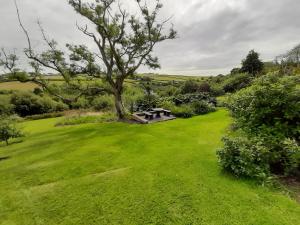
column 125, row 41
column 252, row 64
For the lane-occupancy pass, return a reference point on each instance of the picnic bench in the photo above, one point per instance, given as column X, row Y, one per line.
column 149, row 116
column 153, row 115
column 167, row 113
column 158, row 111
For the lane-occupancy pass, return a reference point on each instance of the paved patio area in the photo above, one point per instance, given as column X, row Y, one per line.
column 153, row 116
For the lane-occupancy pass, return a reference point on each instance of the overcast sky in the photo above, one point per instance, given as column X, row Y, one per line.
column 213, row 35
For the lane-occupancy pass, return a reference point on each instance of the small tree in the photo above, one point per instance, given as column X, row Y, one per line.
column 124, row 43
column 252, row 64
column 9, row 129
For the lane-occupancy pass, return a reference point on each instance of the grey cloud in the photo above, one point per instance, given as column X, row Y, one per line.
column 213, row 35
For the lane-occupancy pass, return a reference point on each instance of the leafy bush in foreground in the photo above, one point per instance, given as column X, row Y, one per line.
column 267, row 119
column 270, row 107
column 244, row 157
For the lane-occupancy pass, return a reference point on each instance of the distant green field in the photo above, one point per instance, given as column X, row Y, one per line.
column 117, row 173
column 17, row 86
column 28, row 86
column 14, row 85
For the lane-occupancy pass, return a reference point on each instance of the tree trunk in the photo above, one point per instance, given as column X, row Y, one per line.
column 6, row 141
column 119, row 105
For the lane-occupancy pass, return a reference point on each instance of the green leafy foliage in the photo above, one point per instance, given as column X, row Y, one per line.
column 188, row 110
column 103, row 103
column 183, row 111
column 252, row 64
column 267, row 119
column 202, row 107
column 192, row 86
column 236, row 82
column 6, row 108
column 271, row 106
column 27, row 104
column 9, row 129
column 244, row 157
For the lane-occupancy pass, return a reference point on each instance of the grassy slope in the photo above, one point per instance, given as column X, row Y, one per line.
column 164, row 173
column 14, row 85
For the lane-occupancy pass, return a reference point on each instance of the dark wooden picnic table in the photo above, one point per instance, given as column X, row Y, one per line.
column 158, row 111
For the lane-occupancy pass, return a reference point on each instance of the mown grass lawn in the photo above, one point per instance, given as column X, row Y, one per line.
column 115, row 173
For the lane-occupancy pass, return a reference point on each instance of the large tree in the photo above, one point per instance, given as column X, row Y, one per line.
column 124, row 43
column 252, row 64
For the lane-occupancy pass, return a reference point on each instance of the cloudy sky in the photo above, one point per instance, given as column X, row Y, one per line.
column 213, row 35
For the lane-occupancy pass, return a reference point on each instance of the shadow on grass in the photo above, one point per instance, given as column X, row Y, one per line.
column 289, row 186
column 4, row 158
column 232, row 177
column 11, row 142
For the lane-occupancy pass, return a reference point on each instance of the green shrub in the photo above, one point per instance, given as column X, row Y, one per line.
column 166, row 104
column 131, row 96
column 217, row 90
column 190, row 86
column 236, row 82
column 27, row 104
column 202, row 107
column 103, row 103
column 270, row 106
column 187, row 110
column 204, row 87
column 268, row 116
column 38, row 91
column 81, row 103
column 147, row 102
column 183, row 111
column 9, row 129
column 291, row 162
column 258, row 157
column 6, row 108
column 244, row 157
